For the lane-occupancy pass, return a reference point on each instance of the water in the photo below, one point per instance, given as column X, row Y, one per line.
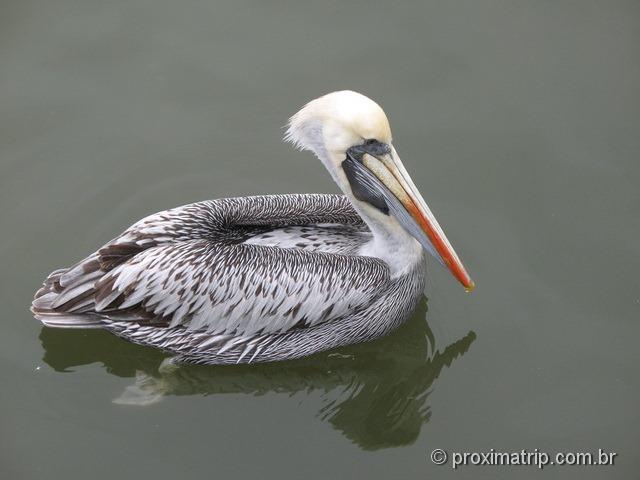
column 519, row 121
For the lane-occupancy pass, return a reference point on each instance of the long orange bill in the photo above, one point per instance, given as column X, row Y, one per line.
column 414, row 215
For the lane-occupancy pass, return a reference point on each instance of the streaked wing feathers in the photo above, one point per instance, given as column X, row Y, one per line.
column 189, row 266
column 227, row 219
column 240, row 289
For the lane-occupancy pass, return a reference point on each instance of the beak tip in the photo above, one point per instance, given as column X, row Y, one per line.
column 470, row 287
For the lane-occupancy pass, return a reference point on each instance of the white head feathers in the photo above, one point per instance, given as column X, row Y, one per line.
column 336, row 121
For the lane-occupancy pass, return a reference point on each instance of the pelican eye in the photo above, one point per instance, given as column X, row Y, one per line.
column 371, row 146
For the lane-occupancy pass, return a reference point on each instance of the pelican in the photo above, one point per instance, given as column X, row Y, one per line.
column 272, row 277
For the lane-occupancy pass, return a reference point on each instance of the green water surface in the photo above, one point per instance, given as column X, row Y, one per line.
column 518, row 120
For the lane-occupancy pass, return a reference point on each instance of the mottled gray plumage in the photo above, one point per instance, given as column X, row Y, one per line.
column 270, row 277
column 235, row 280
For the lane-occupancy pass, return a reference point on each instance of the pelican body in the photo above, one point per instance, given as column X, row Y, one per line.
column 273, row 277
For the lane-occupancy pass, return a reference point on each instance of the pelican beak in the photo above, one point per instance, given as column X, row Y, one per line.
column 388, row 177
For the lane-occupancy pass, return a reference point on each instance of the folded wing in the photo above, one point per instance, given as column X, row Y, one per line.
column 190, row 267
column 240, row 289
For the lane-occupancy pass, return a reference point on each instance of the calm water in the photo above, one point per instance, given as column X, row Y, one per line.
column 518, row 120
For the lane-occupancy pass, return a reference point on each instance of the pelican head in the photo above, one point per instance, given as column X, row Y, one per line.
column 350, row 134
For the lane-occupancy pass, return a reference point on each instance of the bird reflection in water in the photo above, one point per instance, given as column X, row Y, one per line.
column 374, row 393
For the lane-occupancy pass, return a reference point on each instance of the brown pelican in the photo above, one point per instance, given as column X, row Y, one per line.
column 274, row 277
